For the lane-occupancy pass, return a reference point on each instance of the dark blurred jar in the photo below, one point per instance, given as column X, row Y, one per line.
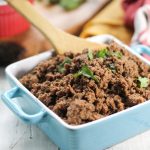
column 11, row 24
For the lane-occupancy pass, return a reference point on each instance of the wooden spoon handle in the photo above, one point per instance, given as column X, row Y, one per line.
column 60, row 40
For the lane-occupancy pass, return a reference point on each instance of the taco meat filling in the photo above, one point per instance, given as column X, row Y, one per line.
column 87, row 86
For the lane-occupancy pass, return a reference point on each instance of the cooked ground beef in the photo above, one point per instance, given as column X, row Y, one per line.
column 84, row 87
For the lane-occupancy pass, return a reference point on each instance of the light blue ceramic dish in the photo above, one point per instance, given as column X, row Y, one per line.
column 96, row 135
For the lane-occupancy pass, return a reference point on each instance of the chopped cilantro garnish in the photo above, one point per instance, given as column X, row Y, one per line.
column 143, row 82
column 90, row 54
column 85, row 71
column 103, row 53
column 117, row 54
column 112, row 67
column 60, row 67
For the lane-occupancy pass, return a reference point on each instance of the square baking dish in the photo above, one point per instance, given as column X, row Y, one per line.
column 96, row 135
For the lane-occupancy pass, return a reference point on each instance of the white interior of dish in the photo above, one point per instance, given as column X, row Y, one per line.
column 19, row 68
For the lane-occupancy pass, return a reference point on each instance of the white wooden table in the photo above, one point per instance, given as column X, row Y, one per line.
column 14, row 135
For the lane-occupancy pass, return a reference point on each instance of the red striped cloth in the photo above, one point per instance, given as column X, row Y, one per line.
column 138, row 17
column 130, row 7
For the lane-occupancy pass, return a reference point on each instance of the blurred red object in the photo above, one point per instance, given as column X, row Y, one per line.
column 146, row 56
column 11, row 22
column 130, row 7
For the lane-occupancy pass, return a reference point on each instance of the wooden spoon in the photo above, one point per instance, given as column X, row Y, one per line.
column 60, row 40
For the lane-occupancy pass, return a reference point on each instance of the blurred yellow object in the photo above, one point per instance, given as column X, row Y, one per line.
column 109, row 21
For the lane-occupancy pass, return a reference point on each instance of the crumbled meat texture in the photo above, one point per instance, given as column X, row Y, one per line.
column 78, row 100
column 80, row 111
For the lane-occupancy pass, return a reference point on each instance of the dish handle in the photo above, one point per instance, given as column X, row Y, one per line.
column 15, row 92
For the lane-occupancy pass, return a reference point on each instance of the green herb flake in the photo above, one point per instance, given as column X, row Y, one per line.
column 60, row 67
column 90, row 54
column 112, row 67
column 103, row 53
column 76, row 75
column 71, row 4
column 85, row 71
column 143, row 82
column 117, row 54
